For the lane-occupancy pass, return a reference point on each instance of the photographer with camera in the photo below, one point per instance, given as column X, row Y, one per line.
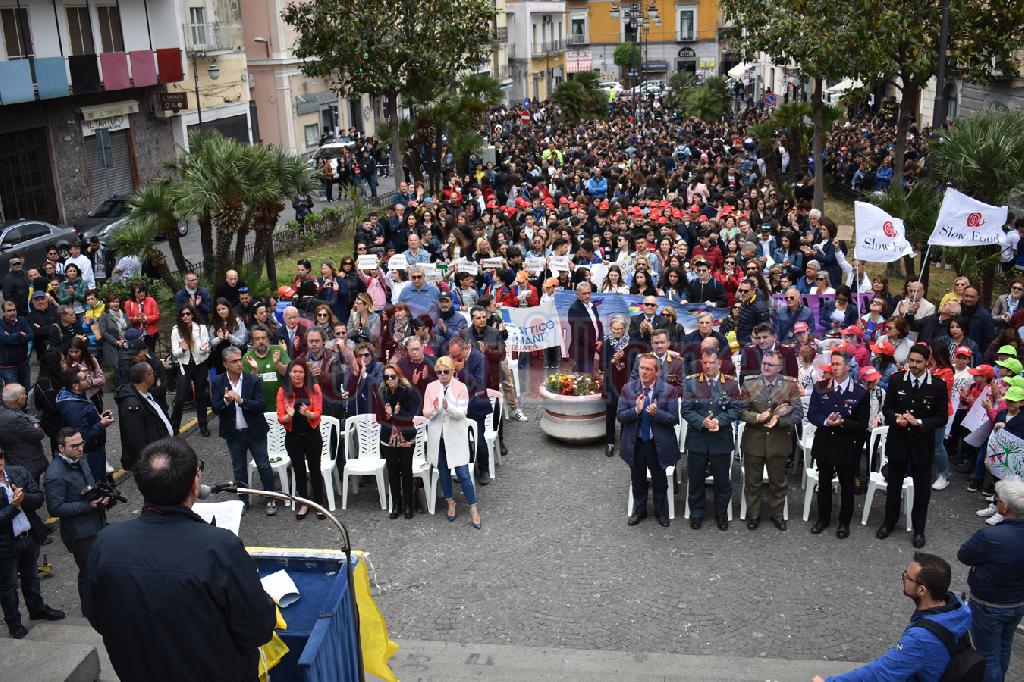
column 68, row 486
column 79, row 413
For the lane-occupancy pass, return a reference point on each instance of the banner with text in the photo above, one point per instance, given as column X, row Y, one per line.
column 532, row 328
column 964, row 221
column 880, row 237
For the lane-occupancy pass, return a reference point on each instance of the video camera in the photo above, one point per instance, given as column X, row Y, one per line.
column 103, row 489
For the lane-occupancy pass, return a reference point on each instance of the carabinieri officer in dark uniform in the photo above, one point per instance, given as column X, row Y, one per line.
column 840, row 410
column 916, row 403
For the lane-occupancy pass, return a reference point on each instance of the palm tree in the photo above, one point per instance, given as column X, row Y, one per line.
column 764, row 133
column 983, row 156
column 793, row 118
column 290, row 176
column 138, row 235
column 155, row 204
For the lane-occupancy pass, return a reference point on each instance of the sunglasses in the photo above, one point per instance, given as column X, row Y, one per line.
column 443, row 372
column 322, row 315
column 820, row 279
column 792, row 298
column 390, row 377
column 650, row 305
column 365, row 355
column 186, row 314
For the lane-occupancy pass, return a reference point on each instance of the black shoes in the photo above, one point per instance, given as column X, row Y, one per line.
column 409, row 513
column 635, row 518
column 918, row 540
column 753, row 523
column 663, row 520
column 610, row 452
column 779, row 523
column 204, row 432
column 17, row 631
column 484, row 478
column 395, row 514
column 884, row 532
column 723, row 523
column 696, row 522
column 47, row 614
column 819, row 527
column 843, row 531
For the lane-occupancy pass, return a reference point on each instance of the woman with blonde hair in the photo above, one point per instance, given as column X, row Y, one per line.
column 396, row 403
column 364, row 323
column 445, row 404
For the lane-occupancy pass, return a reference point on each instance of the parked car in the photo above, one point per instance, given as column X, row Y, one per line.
column 330, row 150
column 31, row 239
column 614, row 86
column 108, row 216
column 647, row 88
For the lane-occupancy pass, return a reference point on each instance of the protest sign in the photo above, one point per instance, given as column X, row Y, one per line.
column 396, row 262
column 367, row 262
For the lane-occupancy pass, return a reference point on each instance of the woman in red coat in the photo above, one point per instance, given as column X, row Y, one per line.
column 299, row 406
column 521, row 294
column 143, row 313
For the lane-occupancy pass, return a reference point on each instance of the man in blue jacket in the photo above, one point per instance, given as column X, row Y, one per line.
column 78, row 412
column 15, row 347
column 920, row 654
column 996, row 557
column 176, row 598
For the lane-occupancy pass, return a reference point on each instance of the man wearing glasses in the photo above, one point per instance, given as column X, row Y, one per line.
column 196, row 296
column 705, row 288
column 642, row 326
column 808, row 282
column 420, row 295
column 794, row 311
column 753, row 310
column 167, row 561
column 938, row 613
column 771, row 411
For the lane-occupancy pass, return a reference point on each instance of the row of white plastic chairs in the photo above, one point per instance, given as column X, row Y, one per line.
column 809, row 477
column 360, row 437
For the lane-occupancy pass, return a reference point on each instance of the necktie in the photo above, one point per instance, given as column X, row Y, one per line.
column 645, row 418
column 917, row 383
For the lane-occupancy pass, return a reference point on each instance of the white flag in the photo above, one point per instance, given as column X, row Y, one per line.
column 880, row 237
column 532, row 328
column 964, row 221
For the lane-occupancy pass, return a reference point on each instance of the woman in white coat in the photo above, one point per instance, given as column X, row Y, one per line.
column 190, row 346
column 444, row 404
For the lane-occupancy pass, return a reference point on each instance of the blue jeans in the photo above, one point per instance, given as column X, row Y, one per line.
column 696, row 471
column 462, row 472
column 22, row 566
column 17, row 375
column 254, row 444
column 992, row 629
column 941, row 456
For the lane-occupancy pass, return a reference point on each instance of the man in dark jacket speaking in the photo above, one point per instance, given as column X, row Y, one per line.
column 174, row 597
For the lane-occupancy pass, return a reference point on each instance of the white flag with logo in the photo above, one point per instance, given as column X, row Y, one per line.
column 533, row 328
column 964, row 221
column 880, row 237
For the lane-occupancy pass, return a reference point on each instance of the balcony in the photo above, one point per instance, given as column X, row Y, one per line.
column 686, row 37
column 549, row 47
column 578, row 39
column 499, row 34
column 39, row 78
column 210, row 37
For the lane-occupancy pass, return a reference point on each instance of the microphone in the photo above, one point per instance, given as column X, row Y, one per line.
column 206, row 490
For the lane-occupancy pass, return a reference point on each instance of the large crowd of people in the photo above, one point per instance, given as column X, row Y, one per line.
column 813, row 353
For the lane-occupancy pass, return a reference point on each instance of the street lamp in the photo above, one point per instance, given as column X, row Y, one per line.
column 213, row 71
column 641, row 18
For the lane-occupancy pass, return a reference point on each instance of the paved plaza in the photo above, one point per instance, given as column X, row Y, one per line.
column 556, row 567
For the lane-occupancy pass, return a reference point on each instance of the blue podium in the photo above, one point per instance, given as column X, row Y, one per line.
column 322, row 635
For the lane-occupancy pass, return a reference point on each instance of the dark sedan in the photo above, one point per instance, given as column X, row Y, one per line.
column 30, row 239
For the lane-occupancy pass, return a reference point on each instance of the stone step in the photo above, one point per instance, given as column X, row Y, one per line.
column 427, row 660
column 74, row 630
column 48, row 661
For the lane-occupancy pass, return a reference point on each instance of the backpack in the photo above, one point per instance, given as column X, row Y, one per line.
column 965, row 663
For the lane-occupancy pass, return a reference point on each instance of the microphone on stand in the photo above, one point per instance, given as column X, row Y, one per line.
column 206, row 491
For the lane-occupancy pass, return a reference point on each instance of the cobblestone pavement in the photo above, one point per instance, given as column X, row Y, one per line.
column 556, row 566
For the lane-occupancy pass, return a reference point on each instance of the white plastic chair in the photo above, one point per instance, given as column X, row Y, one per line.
column 879, row 437
column 491, row 431
column 421, row 468
column 743, row 479
column 811, row 474
column 670, row 474
column 276, row 452
column 804, row 444
column 365, row 459
column 330, row 430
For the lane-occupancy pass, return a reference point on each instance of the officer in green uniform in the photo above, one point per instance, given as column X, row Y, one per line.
column 771, row 411
column 711, row 406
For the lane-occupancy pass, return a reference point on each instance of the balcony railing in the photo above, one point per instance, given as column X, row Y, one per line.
column 549, row 47
column 26, row 80
column 578, row 39
column 500, row 34
column 209, row 37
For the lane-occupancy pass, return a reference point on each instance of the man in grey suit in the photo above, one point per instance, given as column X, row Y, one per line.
column 648, row 414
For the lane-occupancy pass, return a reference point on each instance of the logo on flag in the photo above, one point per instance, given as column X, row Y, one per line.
column 889, row 229
column 964, row 221
column 880, row 237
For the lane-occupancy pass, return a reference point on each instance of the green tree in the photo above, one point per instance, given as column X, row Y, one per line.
column 918, row 209
column 152, row 213
column 710, row 101
column 983, row 157
column 764, row 134
column 390, row 47
column 626, row 57
column 581, row 98
column 902, row 38
column 154, row 204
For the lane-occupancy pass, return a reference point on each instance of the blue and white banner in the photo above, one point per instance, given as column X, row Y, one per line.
column 533, row 328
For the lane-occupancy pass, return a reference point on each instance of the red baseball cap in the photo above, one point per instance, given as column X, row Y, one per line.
column 963, row 350
column 883, row 347
column 986, row 371
column 853, row 330
column 869, row 373
column 800, row 327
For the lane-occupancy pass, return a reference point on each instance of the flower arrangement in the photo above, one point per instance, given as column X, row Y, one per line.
column 573, row 384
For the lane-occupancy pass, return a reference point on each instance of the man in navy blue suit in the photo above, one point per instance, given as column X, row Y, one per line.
column 471, row 369
column 648, row 414
column 237, row 398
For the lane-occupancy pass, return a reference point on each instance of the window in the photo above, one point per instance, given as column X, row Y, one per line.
column 578, row 31
column 109, row 20
column 17, row 37
column 34, row 231
column 197, row 25
column 687, row 23
column 80, row 30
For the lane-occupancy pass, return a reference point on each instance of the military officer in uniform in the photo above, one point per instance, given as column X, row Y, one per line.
column 711, row 406
column 916, row 403
column 771, row 411
column 670, row 363
column 840, row 409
